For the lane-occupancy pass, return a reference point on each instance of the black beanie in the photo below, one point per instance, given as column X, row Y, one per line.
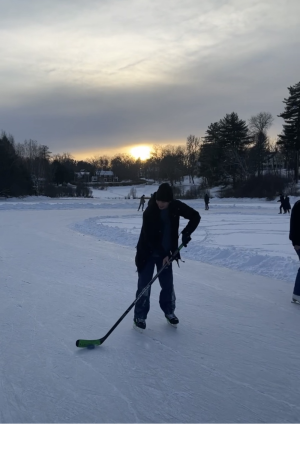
column 164, row 193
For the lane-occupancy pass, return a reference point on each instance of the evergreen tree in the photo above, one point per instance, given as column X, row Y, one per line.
column 213, row 135
column 289, row 140
column 61, row 172
column 224, row 148
column 15, row 179
column 234, row 133
column 210, row 163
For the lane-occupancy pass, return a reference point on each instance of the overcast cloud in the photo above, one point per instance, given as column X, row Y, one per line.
column 87, row 76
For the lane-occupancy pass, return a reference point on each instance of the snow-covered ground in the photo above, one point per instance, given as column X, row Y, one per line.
column 67, row 272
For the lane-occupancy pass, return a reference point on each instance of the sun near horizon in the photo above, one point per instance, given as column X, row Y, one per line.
column 141, row 151
column 137, row 151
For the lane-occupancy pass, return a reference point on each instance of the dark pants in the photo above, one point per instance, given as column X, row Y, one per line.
column 167, row 297
column 297, row 281
column 141, row 205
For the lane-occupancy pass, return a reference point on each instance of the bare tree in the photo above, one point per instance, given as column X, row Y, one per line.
column 258, row 126
column 171, row 163
column 261, row 122
column 193, row 146
column 99, row 162
column 36, row 158
column 104, row 162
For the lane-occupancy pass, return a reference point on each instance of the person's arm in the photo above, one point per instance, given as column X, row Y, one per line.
column 190, row 214
column 294, row 234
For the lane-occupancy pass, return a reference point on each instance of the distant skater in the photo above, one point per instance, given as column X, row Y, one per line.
column 206, row 200
column 286, row 205
column 142, row 203
column 281, row 200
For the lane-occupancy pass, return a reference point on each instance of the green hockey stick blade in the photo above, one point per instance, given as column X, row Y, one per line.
column 86, row 343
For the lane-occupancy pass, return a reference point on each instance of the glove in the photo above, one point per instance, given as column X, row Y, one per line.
column 185, row 239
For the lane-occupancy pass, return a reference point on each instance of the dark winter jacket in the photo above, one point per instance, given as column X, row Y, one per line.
column 150, row 239
column 206, row 199
column 286, row 203
column 295, row 224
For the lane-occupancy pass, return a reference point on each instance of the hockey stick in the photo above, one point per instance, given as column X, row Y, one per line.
column 87, row 343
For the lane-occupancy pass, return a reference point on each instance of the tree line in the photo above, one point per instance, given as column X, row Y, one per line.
column 231, row 152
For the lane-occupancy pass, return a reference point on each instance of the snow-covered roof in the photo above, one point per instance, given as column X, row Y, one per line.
column 104, row 173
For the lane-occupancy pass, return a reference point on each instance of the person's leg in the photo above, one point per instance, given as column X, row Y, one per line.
column 296, row 292
column 143, row 305
column 167, row 298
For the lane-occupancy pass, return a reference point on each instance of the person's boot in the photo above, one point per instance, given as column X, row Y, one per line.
column 296, row 299
column 139, row 324
column 172, row 319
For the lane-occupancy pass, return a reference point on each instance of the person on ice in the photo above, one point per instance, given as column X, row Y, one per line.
column 286, row 204
column 281, row 200
column 142, row 203
column 206, row 200
column 295, row 238
column 158, row 240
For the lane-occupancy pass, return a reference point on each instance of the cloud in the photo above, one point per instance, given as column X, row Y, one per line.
column 77, row 75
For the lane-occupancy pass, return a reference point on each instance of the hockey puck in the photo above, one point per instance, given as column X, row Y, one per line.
column 91, row 347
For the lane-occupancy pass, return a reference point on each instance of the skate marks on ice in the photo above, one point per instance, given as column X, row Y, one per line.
column 234, row 357
column 241, row 236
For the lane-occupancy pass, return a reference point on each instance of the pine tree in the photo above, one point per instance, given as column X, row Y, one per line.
column 212, row 155
column 234, row 132
column 225, row 143
column 14, row 178
column 210, row 163
column 289, row 140
column 213, row 135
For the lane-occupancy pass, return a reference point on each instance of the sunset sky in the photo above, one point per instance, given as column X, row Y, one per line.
column 97, row 77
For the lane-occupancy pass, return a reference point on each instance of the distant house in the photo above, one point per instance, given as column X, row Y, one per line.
column 38, row 183
column 82, row 174
column 274, row 161
column 106, row 176
column 37, row 180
